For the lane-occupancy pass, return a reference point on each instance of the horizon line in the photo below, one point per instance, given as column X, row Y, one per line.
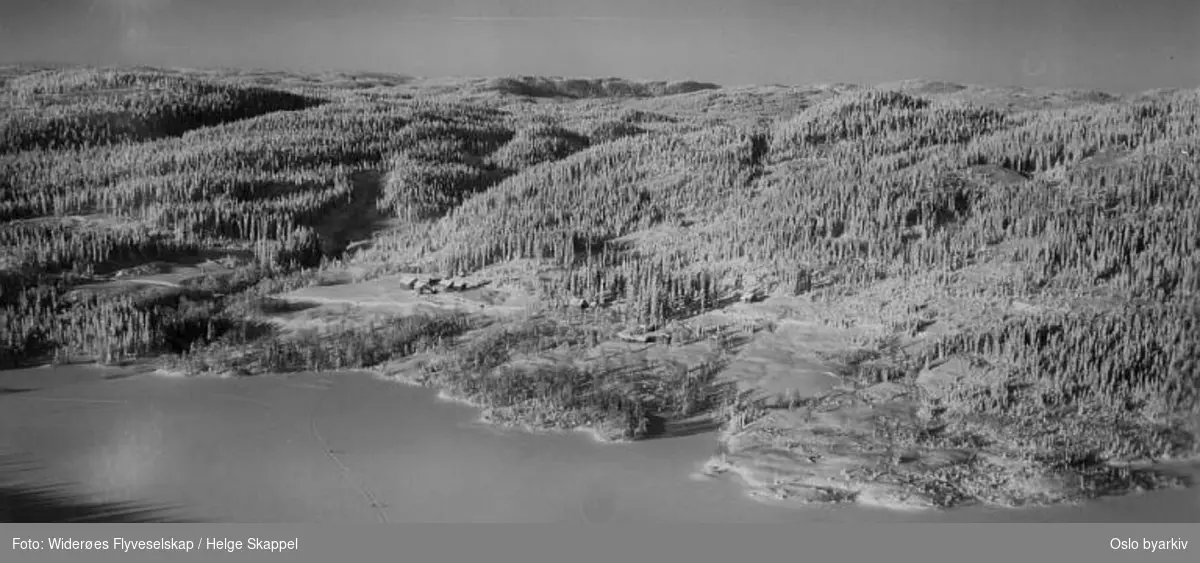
column 720, row 85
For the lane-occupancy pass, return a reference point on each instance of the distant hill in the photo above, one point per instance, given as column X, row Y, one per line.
column 555, row 87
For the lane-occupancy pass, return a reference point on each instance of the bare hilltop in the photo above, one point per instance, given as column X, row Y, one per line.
column 913, row 295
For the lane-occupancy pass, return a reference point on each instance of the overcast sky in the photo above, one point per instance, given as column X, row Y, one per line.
column 1105, row 44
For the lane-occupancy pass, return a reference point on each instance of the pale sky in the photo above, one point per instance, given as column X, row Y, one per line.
column 1110, row 45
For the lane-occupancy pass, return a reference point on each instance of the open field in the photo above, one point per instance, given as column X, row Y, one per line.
column 913, row 295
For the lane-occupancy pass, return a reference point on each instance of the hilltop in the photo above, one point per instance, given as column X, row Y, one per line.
column 917, row 294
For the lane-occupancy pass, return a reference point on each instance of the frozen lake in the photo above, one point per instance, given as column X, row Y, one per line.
column 352, row 447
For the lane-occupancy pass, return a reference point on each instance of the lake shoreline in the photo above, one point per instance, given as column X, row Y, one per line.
column 756, row 465
column 486, row 415
column 746, row 467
